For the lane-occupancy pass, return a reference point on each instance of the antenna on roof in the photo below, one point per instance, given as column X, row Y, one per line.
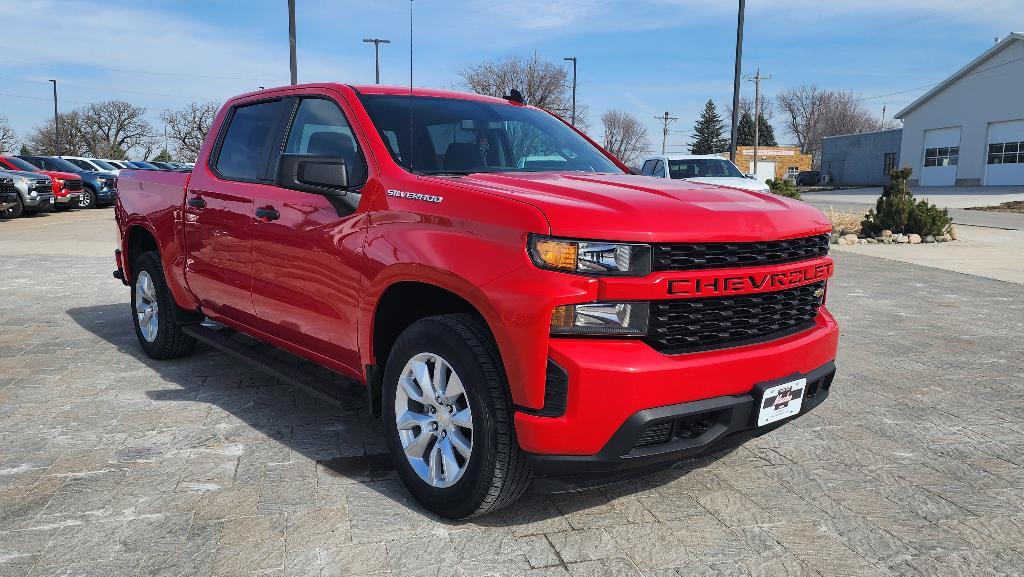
column 412, row 154
column 515, row 96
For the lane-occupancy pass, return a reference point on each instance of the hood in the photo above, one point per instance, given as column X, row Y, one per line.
column 732, row 181
column 61, row 175
column 644, row 209
column 27, row 174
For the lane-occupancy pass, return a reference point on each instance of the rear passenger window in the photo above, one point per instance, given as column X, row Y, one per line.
column 321, row 129
column 245, row 150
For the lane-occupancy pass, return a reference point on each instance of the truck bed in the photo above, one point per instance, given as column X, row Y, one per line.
column 145, row 192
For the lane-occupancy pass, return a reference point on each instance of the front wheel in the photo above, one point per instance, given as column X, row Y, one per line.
column 448, row 418
column 153, row 309
column 13, row 211
column 88, row 199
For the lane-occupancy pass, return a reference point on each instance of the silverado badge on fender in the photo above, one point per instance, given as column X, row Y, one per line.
column 415, row 196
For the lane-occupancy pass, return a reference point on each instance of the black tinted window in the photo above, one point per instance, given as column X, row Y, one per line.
column 321, row 129
column 245, row 150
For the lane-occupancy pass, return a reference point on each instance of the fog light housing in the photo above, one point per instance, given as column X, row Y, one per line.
column 620, row 319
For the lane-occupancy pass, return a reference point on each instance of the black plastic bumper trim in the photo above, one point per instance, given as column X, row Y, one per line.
column 734, row 424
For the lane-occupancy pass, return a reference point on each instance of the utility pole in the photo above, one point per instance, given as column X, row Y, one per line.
column 736, row 81
column 376, row 51
column 883, row 116
column 291, row 42
column 666, row 120
column 756, row 79
column 56, row 125
column 573, row 58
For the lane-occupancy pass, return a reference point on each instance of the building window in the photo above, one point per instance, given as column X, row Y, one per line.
column 945, row 156
column 792, row 171
column 889, row 162
column 1006, row 153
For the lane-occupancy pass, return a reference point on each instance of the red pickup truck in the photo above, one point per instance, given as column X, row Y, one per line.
column 513, row 300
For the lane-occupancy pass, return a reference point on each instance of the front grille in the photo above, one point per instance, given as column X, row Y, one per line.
column 7, row 185
column 73, row 185
column 689, row 325
column 703, row 256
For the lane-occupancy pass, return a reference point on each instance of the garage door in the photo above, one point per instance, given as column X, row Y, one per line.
column 764, row 171
column 1005, row 160
column 941, row 155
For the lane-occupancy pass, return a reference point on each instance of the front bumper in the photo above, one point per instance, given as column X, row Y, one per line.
column 106, row 195
column 611, row 381
column 653, row 437
column 71, row 198
column 41, row 200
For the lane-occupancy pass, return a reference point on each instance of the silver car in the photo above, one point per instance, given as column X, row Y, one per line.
column 35, row 192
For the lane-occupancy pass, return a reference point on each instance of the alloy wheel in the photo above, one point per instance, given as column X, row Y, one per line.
column 434, row 420
column 86, row 199
column 147, row 308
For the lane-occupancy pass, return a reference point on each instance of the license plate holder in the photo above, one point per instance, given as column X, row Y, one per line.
column 780, row 401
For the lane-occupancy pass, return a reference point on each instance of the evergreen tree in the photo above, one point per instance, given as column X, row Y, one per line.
column 745, row 131
column 25, row 150
column 766, row 133
column 708, row 132
column 164, row 156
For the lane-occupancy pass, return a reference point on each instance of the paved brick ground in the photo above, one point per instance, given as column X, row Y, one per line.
column 112, row 464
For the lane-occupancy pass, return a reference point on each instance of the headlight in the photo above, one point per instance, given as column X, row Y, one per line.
column 590, row 257
column 623, row 319
column 21, row 180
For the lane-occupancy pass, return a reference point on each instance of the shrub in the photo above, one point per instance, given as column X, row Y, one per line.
column 897, row 210
column 783, row 187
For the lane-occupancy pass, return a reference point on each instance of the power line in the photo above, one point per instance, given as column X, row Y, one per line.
column 940, row 82
column 666, row 120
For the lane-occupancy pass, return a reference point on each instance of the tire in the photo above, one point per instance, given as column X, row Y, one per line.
column 88, row 198
column 14, row 211
column 162, row 337
column 495, row 474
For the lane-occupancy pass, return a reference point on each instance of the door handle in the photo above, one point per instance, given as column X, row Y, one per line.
column 268, row 213
column 197, row 202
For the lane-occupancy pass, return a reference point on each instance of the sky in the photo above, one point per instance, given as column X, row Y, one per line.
column 645, row 57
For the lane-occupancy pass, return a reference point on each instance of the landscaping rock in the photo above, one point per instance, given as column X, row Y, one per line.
column 914, row 239
column 862, row 241
column 953, row 232
column 900, row 239
column 850, row 238
column 870, row 241
column 885, row 239
column 943, row 238
column 886, row 232
column 835, row 239
column 929, row 239
column 841, row 240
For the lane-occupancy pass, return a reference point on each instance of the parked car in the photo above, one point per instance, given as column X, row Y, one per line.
column 505, row 322
column 67, row 186
column 8, row 194
column 100, row 188
column 35, row 192
column 119, row 164
column 164, row 165
column 808, row 177
column 706, row 169
column 92, row 164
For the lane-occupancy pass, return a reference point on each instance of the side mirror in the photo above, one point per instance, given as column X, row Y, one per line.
column 749, row 175
column 326, row 175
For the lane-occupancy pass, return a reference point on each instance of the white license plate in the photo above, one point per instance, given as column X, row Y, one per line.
column 781, row 401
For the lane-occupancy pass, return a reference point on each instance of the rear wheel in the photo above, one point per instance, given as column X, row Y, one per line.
column 13, row 211
column 448, row 418
column 154, row 311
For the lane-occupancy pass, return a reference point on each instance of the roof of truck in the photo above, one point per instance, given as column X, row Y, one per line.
column 378, row 89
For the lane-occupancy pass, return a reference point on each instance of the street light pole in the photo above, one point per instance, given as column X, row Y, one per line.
column 291, row 42
column 573, row 118
column 56, row 121
column 736, row 81
column 376, row 52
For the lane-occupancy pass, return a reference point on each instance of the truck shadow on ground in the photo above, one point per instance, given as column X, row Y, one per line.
column 274, row 411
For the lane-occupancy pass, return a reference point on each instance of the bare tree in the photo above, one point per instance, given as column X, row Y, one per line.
column 811, row 114
column 115, row 128
column 624, row 135
column 747, row 107
column 8, row 138
column 41, row 139
column 543, row 83
column 188, row 127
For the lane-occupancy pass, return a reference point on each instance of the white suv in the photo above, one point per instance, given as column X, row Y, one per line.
column 706, row 169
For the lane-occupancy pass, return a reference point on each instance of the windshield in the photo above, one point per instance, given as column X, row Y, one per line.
column 703, row 168
column 144, row 164
column 63, row 165
column 103, row 164
column 22, row 164
column 455, row 136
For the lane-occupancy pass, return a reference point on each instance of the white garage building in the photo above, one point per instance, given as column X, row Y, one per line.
column 969, row 130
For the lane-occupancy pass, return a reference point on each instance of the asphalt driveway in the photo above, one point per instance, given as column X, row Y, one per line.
column 114, row 464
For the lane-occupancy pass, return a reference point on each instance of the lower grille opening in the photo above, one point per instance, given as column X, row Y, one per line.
column 682, row 428
column 820, row 384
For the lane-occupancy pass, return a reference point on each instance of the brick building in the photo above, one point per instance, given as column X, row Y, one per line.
column 772, row 161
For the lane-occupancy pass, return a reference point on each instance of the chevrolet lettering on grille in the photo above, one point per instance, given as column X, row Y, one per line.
column 745, row 283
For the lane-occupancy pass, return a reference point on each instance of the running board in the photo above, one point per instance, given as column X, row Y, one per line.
column 296, row 371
